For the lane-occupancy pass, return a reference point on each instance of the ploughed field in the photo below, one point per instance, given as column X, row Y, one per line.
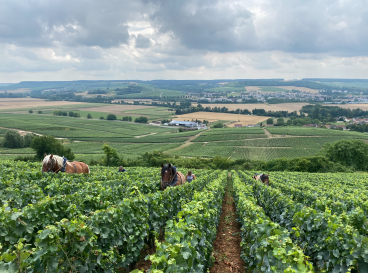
column 105, row 221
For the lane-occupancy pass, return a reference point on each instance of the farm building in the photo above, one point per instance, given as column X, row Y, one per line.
column 184, row 123
column 238, row 125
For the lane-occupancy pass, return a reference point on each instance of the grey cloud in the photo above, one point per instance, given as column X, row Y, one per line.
column 336, row 27
column 206, row 25
column 67, row 22
column 142, row 42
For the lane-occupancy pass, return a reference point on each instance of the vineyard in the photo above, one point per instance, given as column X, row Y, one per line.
column 258, row 147
column 307, row 131
column 94, row 223
column 102, row 222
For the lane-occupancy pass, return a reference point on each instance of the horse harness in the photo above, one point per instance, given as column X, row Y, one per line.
column 62, row 168
column 173, row 178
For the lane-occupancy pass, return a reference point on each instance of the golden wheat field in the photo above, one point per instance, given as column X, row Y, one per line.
column 351, row 106
column 301, row 89
column 25, row 103
column 214, row 116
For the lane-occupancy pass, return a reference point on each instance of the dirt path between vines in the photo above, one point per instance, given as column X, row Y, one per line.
column 226, row 247
column 186, row 143
column 267, row 133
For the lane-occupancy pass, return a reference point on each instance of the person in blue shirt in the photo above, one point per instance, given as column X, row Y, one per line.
column 121, row 169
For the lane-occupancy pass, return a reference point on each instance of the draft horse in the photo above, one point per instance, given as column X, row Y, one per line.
column 264, row 178
column 170, row 176
column 55, row 163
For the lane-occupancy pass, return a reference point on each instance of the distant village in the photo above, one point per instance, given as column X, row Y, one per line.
column 339, row 97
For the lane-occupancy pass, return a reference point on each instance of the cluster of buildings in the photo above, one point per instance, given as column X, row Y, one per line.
column 356, row 120
column 343, row 126
column 337, row 97
column 262, row 96
column 188, row 125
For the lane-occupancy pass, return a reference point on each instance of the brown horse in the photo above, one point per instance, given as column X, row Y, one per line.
column 55, row 163
column 264, row 178
column 170, row 176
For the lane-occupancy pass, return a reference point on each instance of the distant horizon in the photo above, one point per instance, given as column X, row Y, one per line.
column 355, row 79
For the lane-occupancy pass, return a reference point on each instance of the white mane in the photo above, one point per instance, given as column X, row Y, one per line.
column 57, row 158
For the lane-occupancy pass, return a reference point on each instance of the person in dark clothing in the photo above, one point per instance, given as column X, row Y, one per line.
column 121, row 169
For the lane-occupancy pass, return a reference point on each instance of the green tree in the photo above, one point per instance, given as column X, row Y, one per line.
column 352, row 153
column 141, row 120
column 13, row 139
column 40, row 112
column 111, row 117
column 130, row 118
column 112, row 157
column 218, row 125
column 71, row 114
column 28, row 139
column 281, row 121
column 102, row 117
column 269, row 121
column 89, row 116
column 48, row 145
column 30, row 111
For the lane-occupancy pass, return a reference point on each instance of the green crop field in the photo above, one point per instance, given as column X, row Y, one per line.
column 105, row 220
column 97, row 213
column 66, row 127
column 86, row 136
column 153, row 113
column 301, row 215
column 307, row 131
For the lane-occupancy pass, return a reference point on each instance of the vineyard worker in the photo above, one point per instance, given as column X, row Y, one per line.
column 121, row 169
column 189, row 177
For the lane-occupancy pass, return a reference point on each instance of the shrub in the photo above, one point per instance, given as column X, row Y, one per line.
column 89, row 116
column 218, row 125
column 13, row 140
column 28, row 139
column 102, row 117
column 30, row 111
column 48, row 145
column 111, row 117
column 141, row 120
column 40, row 112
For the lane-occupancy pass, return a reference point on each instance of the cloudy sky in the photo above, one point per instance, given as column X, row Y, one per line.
column 177, row 39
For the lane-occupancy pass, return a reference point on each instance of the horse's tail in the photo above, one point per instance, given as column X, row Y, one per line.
column 89, row 171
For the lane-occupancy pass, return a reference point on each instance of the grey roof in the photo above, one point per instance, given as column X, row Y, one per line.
column 182, row 122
